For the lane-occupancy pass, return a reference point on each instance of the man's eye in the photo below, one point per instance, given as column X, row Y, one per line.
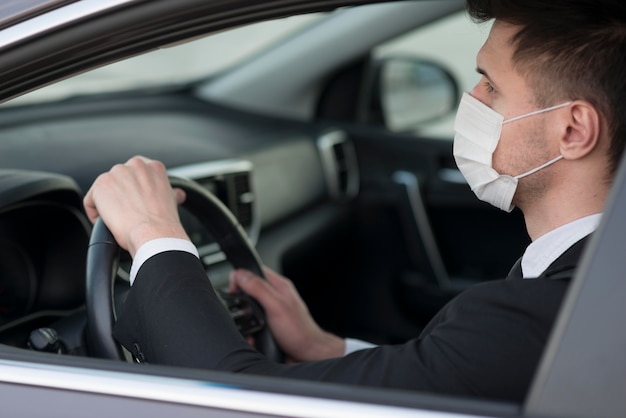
column 488, row 87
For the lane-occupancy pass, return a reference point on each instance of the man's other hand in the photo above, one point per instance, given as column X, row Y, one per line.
column 289, row 319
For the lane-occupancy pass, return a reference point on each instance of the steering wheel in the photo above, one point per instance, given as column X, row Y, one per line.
column 103, row 261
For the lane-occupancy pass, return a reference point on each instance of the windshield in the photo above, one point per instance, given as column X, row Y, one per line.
column 175, row 65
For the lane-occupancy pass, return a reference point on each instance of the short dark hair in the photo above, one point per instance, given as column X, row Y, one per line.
column 570, row 49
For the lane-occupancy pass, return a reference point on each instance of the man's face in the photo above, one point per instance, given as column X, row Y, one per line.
column 523, row 144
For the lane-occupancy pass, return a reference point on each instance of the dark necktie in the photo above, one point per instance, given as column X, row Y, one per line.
column 516, row 271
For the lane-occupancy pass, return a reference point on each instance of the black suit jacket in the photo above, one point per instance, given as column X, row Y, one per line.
column 485, row 343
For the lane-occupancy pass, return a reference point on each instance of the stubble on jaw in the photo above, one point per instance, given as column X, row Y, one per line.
column 533, row 188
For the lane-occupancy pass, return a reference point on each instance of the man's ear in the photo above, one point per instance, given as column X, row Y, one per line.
column 582, row 132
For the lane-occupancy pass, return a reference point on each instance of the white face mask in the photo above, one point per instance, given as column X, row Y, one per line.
column 477, row 132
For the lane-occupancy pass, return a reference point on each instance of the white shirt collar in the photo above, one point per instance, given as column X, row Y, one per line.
column 546, row 249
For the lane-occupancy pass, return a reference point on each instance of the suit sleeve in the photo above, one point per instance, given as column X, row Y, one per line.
column 173, row 317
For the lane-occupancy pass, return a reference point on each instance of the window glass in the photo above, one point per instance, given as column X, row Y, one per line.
column 175, row 64
column 452, row 42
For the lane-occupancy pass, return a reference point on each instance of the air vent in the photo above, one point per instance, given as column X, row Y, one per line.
column 340, row 165
column 243, row 199
column 231, row 182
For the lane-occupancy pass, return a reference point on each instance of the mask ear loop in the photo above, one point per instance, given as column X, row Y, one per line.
column 534, row 170
column 536, row 112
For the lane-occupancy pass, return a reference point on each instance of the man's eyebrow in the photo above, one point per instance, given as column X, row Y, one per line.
column 483, row 72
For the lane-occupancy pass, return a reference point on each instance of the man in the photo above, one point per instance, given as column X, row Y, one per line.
column 542, row 130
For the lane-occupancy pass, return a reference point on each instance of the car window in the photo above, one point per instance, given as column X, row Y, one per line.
column 452, row 42
column 15, row 10
column 177, row 64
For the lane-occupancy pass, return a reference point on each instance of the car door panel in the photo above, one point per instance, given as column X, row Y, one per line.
column 420, row 235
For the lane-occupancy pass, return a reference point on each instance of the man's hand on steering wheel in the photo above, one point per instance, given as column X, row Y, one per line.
column 125, row 199
column 290, row 322
column 137, row 202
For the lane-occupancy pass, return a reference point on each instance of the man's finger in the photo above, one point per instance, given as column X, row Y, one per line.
column 280, row 284
column 180, row 196
column 255, row 286
column 90, row 207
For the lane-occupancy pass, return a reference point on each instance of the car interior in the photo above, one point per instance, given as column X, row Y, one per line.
column 363, row 210
column 371, row 225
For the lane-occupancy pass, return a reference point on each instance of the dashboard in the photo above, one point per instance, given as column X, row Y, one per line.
column 232, row 183
column 42, row 252
column 277, row 187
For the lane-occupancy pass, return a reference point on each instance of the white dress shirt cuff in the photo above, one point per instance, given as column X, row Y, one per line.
column 156, row 246
column 353, row 345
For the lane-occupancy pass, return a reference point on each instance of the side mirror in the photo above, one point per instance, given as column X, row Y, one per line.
column 409, row 93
